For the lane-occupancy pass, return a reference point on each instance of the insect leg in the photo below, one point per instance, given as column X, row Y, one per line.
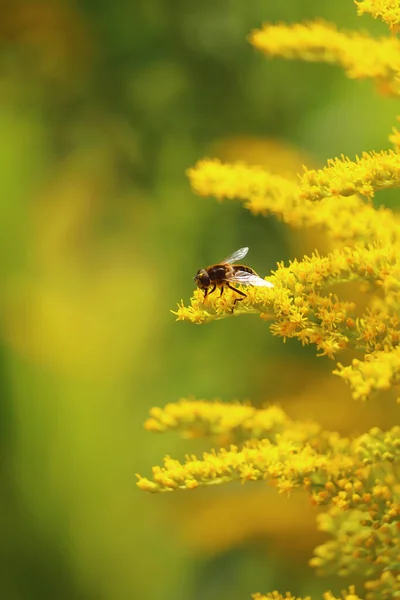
column 238, row 292
column 222, row 291
column 206, row 291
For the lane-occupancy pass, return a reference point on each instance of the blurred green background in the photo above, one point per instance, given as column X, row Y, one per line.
column 103, row 106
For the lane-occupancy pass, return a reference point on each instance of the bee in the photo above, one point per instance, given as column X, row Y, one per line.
column 225, row 273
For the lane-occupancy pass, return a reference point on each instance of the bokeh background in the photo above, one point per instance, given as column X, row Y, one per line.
column 103, row 106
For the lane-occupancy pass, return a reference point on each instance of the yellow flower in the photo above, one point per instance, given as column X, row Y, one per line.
column 394, row 138
column 342, row 177
column 360, row 55
column 386, row 10
column 277, row 596
column 301, row 310
column 341, row 213
column 346, row 595
column 284, row 462
column 379, row 371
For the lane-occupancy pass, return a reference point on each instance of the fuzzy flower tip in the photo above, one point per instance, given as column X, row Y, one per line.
column 360, row 55
column 231, row 422
column 387, row 11
column 379, row 371
column 346, row 595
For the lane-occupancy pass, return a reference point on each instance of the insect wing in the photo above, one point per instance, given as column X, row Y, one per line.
column 238, row 255
column 245, row 278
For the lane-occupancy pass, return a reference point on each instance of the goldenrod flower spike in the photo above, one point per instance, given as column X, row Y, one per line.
column 278, row 596
column 199, row 417
column 379, row 371
column 356, row 538
column 234, row 422
column 216, row 307
column 343, row 215
column 386, row 10
column 300, row 310
column 346, row 595
column 287, row 465
column 211, row 177
column 355, row 478
column 360, row 55
column 369, row 173
column 341, row 177
column 379, row 446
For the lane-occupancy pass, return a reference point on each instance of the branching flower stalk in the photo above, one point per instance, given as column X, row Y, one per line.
column 357, row 480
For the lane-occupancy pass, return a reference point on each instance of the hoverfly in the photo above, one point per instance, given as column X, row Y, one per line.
column 225, row 273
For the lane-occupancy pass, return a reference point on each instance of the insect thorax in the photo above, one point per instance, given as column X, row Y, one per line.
column 218, row 273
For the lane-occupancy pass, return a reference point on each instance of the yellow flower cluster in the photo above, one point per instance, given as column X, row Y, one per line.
column 287, row 465
column 379, row 371
column 346, row 595
column 379, row 446
column 343, row 214
column 233, row 422
column 386, row 10
column 301, row 310
column 278, row 596
column 200, row 418
column 354, row 549
column 360, row 55
column 336, row 470
column 356, row 480
column 343, row 177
